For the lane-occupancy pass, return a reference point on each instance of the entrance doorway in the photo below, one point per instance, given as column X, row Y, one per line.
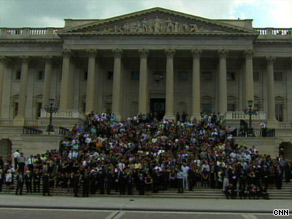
column 157, row 107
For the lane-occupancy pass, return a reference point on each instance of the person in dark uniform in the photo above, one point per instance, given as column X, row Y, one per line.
column 19, row 183
column 100, row 181
column 130, row 183
column 46, row 184
column 36, row 179
column 85, row 180
column 122, row 183
column 141, row 184
column 109, row 182
column 76, row 183
column 28, row 182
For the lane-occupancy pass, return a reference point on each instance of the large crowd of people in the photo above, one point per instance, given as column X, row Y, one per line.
column 142, row 155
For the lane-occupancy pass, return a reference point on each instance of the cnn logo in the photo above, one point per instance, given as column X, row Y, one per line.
column 281, row 212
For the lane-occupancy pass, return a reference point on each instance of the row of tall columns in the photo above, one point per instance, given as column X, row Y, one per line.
column 67, row 89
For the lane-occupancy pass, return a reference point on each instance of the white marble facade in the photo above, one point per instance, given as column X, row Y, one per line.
column 127, row 64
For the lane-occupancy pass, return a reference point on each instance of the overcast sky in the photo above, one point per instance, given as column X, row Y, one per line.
column 51, row 13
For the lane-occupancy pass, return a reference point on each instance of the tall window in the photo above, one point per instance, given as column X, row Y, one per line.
column 110, row 75
column 230, row 107
column 206, row 76
column 15, row 109
column 207, row 108
column 39, row 108
column 17, row 75
column 256, row 76
column 279, row 112
column 135, row 75
column 41, row 75
column 230, row 76
column 85, row 73
column 278, row 76
column 183, row 76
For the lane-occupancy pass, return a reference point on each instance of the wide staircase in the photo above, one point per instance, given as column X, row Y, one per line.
column 198, row 193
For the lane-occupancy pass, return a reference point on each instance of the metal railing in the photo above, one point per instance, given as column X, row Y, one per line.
column 64, row 131
column 31, row 131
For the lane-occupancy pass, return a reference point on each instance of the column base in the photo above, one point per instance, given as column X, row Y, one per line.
column 169, row 117
column 18, row 121
column 118, row 117
column 196, row 116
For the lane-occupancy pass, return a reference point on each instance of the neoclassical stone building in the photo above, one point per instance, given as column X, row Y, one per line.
column 155, row 60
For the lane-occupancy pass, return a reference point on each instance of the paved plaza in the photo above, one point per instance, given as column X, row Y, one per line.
column 106, row 207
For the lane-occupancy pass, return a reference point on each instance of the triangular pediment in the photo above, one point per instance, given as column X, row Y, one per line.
column 155, row 21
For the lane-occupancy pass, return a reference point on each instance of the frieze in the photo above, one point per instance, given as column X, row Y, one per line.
column 156, row 25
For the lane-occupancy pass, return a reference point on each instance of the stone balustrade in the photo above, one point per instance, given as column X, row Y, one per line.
column 274, row 32
column 28, row 32
column 70, row 113
column 237, row 115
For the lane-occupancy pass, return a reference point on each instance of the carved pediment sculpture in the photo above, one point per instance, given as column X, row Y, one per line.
column 154, row 21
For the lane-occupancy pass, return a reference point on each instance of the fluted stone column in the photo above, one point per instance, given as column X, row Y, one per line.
column 222, row 86
column 47, row 80
column 271, row 90
column 169, row 115
column 117, row 83
column 65, row 83
column 19, row 119
column 91, row 82
column 196, row 86
column 2, row 72
column 143, row 81
column 249, row 88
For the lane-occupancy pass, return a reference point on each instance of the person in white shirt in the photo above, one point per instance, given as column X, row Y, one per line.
column 16, row 155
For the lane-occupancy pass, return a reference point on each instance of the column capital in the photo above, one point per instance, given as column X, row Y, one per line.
column 117, row 53
column 143, row 53
column 270, row 59
column 67, row 52
column 248, row 53
column 48, row 58
column 25, row 59
column 4, row 59
column 170, row 53
column 92, row 52
column 196, row 53
column 222, row 53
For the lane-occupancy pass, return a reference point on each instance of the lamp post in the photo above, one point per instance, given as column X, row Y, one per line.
column 51, row 108
column 250, row 111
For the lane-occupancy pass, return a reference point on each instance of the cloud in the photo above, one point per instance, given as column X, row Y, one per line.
column 43, row 13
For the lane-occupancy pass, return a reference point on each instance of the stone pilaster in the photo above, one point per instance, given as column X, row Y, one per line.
column 169, row 114
column 222, row 85
column 196, row 88
column 143, row 81
column 117, row 83
column 249, row 88
column 47, row 80
column 65, row 83
column 19, row 119
column 3, row 61
column 271, row 90
column 91, row 81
